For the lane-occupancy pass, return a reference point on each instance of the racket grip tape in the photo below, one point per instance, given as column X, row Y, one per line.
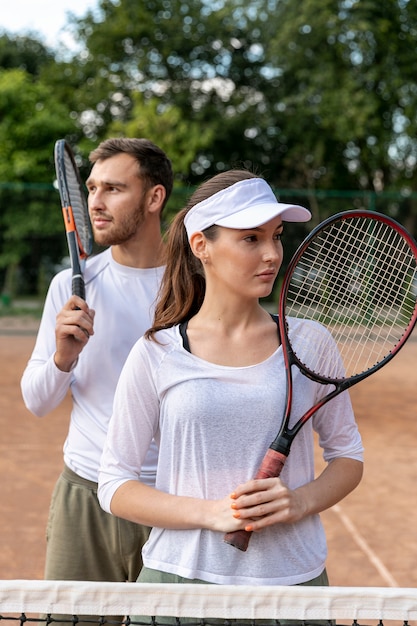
column 271, row 467
column 78, row 286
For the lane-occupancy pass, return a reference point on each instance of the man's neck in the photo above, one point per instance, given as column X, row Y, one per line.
column 141, row 255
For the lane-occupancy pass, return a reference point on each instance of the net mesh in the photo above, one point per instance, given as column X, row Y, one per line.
column 150, row 603
column 358, row 278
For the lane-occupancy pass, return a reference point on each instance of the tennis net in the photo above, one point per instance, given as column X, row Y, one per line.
column 50, row 602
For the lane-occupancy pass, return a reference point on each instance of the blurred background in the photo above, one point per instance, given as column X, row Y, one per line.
column 317, row 96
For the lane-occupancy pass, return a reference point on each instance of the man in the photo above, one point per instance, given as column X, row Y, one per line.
column 82, row 346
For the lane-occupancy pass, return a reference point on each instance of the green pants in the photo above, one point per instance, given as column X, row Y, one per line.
column 84, row 542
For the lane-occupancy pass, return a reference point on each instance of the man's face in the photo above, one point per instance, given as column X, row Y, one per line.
column 116, row 200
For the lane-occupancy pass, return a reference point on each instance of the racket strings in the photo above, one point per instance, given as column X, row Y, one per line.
column 79, row 206
column 357, row 277
column 379, row 267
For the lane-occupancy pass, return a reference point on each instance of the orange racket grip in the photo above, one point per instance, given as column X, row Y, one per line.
column 271, row 467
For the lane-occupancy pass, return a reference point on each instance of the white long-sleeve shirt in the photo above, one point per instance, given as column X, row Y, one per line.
column 214, row 424
column 123, row 298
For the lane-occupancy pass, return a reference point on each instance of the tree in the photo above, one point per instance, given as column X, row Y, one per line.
column 31, row 119
column 26, row 53
column 346, row 112
column 181, row 138
column 202, row 59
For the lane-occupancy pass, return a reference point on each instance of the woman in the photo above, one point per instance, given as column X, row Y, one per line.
column 208, row 382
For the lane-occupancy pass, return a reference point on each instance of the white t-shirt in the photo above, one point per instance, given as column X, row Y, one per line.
column 123, row 298
column 214, row 424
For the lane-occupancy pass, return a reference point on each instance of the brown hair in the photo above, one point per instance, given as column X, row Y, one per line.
column 183, row 285
column 154, row 167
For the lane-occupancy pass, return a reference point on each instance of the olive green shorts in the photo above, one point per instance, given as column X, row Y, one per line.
column 86, row 543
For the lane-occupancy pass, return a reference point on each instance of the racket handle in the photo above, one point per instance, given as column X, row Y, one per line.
column 78, row 286
column 271, row 467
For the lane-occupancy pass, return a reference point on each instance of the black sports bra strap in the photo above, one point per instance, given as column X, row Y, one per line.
column 186, row 343
column 275, row 318
column 183, row 333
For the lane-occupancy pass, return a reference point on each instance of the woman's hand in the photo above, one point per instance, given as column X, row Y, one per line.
column 255, row 505
column 263, row 502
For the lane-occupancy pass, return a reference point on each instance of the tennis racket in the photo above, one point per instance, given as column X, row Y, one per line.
column 354, row 275
column 75, row 212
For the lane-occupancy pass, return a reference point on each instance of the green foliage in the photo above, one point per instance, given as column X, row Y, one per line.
column 31, row 119
column 202, row 60
column 26, row 53
column 348, row 86
column 166, row 126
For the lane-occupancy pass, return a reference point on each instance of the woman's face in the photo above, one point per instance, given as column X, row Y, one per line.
column 245, row 262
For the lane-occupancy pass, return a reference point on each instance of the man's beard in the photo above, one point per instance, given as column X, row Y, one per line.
column 123, row 232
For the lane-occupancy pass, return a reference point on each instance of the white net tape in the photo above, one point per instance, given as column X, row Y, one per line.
column 208, row 601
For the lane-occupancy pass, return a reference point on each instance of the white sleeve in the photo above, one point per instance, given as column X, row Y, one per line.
column 133, row 425
column 338, row 432
column 335, row 422
column 43, row 385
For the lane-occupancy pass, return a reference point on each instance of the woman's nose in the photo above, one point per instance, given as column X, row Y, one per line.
column 271, row 252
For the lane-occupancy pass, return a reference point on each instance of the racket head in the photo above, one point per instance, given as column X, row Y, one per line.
column 73, row 199
column 355, row 278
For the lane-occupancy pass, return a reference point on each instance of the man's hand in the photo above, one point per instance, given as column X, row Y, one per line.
column 74, row 327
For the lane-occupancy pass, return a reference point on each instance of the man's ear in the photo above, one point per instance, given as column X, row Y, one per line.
column 155, row 197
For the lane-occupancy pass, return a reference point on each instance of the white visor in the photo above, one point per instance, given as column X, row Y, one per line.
column 246, row 204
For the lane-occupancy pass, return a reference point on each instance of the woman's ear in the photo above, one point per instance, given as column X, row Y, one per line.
column 198, row 245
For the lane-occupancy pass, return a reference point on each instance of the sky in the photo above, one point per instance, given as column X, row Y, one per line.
column 45, row 17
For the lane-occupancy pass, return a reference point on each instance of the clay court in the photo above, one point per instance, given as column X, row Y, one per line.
column 372, row 534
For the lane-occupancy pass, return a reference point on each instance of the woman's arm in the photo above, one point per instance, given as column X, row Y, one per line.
column 338, row 479
column 257, row 503
column 145, row 505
